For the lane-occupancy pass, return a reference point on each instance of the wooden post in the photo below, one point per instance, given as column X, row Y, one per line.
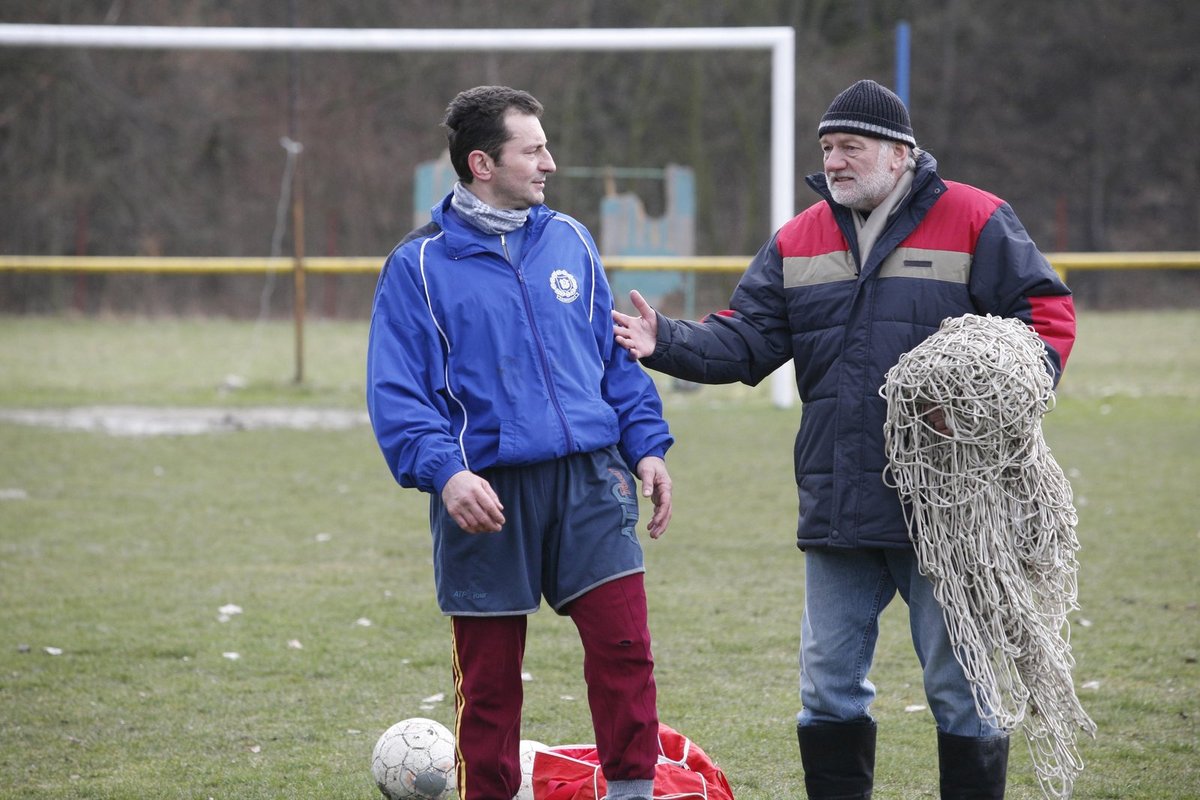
column 299, row 301
column 300, row 293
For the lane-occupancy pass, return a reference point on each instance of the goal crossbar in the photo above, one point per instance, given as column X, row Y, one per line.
column 780, row 41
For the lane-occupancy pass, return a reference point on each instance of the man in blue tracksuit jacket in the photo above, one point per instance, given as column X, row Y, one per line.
column 494, row 384
column 843, row 290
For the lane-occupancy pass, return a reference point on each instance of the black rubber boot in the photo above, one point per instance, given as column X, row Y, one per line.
column 972, row 769
column 838, row 759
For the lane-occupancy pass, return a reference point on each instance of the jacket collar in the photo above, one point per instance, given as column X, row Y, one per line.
column 463, row 239
column 927, row 187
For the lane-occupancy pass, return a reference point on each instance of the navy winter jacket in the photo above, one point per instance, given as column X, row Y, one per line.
column 475, row 359
column 948, row 250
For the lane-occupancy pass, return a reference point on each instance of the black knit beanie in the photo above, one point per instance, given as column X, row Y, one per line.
column 868, row 109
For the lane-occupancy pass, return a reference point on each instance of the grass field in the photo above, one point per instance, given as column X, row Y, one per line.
column 120, row 552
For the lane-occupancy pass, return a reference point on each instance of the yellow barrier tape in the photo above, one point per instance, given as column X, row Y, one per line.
column 366, row 265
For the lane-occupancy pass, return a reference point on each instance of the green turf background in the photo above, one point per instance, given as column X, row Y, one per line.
column 120, row 551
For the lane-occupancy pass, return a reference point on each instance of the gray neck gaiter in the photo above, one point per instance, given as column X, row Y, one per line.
column 482, row 216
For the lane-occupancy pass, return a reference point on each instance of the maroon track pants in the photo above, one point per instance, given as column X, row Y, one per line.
column 617, row 667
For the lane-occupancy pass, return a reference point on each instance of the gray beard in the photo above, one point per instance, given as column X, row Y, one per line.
column 868, row 191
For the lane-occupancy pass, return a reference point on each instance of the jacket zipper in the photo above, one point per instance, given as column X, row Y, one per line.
column 537, row 338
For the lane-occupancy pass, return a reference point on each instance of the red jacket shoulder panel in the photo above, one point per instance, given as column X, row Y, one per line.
column 955, row 221
column 812, row 232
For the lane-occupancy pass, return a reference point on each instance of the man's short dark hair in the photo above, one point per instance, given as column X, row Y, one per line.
column 475, row 121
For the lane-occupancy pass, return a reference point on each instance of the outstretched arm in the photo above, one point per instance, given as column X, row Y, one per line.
column 639, row 334
column 745, row 343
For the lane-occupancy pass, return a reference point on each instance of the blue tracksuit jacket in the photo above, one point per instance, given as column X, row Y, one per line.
column 480, row 357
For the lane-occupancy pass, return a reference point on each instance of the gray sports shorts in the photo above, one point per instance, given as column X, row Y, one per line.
column 570, row 525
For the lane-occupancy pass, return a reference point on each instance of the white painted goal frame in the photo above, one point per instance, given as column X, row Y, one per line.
column 780, row 41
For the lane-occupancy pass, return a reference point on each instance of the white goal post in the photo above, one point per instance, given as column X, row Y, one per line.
column 780, row 41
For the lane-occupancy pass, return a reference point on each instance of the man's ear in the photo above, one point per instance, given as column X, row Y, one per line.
column 480, row 164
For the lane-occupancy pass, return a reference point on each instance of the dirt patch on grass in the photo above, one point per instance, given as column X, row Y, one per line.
column 149, row 421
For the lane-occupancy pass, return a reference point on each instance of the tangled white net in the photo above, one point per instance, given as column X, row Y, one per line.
column 990, row 514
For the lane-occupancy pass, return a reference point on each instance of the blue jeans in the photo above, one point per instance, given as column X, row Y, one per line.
column 845, row 591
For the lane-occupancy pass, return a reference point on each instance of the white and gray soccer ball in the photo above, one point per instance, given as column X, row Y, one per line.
column 414, row 760
column 529, row 748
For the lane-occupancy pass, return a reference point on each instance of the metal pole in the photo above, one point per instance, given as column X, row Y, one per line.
column 903, row 35
column 393, row 39
column 783, row 184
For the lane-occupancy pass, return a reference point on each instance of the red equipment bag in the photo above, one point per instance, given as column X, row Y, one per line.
column 684, row 772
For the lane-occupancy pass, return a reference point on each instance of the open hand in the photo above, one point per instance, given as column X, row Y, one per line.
column 638, row 335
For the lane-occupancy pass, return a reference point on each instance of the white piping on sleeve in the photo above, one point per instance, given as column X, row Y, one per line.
column 446, row 342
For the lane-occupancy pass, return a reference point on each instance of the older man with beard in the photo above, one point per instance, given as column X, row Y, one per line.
column 843, row 290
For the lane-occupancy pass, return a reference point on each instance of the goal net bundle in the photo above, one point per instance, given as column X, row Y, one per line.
column 990, row 514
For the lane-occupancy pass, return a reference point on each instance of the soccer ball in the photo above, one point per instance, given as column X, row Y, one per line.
column 414, row 760
column 529, row 749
